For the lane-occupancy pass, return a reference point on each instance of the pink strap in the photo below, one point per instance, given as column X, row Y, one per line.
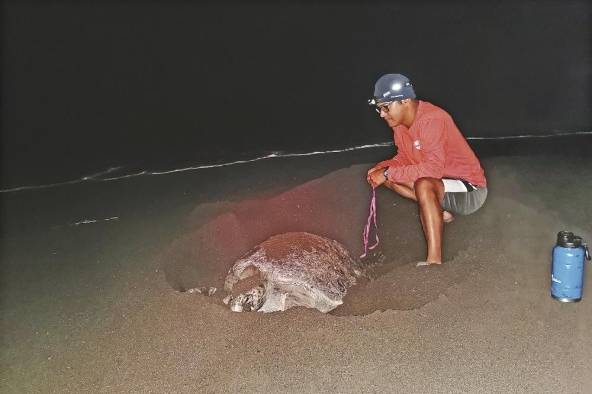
column 371, row 218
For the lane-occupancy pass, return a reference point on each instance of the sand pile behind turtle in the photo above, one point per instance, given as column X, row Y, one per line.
column 218, row 234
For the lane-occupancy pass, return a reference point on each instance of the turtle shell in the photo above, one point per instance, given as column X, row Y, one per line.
column 296, row 269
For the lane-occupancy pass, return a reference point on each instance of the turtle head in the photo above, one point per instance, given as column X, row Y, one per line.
column 250, row 300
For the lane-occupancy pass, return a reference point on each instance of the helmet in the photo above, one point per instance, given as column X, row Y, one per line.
column 392, row 87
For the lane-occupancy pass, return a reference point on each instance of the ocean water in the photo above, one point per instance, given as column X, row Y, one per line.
column 142, row 89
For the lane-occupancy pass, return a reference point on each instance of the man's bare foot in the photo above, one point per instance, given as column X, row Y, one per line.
column 424, row 263
column 447, row 217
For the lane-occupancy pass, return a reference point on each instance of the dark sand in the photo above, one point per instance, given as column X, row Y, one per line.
column 94, row 307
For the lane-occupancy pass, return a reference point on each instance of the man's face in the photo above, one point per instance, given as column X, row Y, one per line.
column 392, row 113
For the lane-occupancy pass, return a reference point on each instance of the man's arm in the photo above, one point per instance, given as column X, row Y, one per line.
column 433, row 138
column 373, row 177
column 400, row 159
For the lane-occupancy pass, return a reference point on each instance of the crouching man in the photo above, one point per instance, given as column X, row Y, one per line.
column 434, row 164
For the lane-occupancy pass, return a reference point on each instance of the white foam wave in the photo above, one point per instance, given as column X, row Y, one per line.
column 91, row 177
column 89, row 221
column 99, row 176
column 232, row 163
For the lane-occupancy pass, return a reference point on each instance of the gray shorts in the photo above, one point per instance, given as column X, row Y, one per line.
column 462, row 202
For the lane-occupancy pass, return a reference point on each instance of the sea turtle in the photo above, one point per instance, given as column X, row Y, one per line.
column 291, row 269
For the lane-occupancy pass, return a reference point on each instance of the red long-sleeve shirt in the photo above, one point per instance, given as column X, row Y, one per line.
column 432, row 147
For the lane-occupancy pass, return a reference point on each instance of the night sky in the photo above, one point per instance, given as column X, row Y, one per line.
column 88, row 86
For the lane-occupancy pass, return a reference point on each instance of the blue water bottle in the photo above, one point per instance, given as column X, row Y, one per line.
column 567, row 272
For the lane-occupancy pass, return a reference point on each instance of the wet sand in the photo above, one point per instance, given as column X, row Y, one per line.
column 95, row 308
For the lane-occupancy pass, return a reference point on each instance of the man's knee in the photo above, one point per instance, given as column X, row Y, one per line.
column 426, row 187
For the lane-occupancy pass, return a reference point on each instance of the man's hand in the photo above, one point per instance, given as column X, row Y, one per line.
column 376, row 177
